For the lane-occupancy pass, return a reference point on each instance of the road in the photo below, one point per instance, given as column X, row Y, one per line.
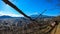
column 56, row 30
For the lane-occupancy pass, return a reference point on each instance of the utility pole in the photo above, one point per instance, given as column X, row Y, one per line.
column 15, row 7
column 18, row 10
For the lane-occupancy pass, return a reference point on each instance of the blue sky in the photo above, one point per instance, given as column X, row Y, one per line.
column 30, row 7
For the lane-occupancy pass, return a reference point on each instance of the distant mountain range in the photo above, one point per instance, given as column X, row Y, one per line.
column 41, row 16
column 32, row 16
column 4, row 16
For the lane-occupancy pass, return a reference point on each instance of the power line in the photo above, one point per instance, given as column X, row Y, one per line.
column 41, row 14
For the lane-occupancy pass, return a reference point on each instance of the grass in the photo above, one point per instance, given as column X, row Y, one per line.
column 32, row 31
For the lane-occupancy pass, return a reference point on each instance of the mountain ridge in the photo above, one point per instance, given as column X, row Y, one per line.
column 32, row 16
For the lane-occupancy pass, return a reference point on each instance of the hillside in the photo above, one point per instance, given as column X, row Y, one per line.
column 21, row 24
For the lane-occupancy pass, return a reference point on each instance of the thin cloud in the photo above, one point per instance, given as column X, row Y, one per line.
column 10, row 14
